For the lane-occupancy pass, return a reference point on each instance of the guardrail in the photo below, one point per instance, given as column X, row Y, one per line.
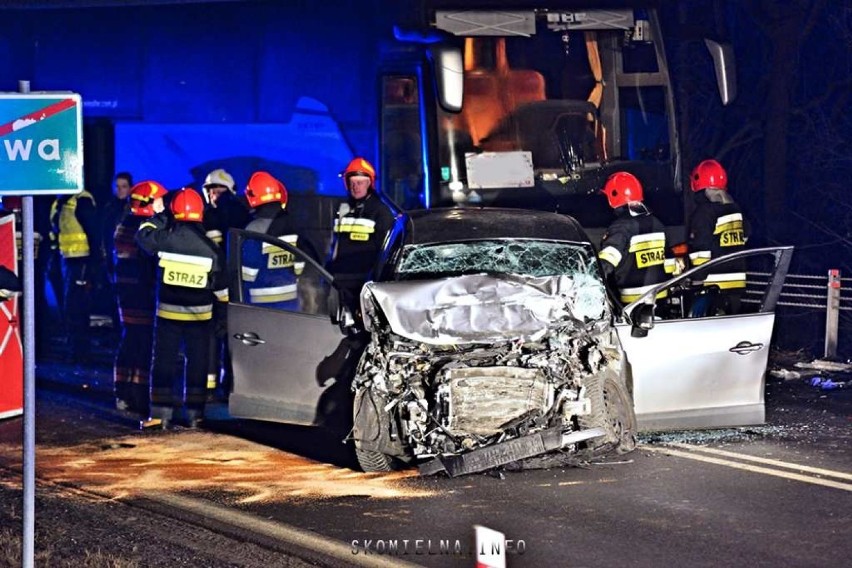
column 799, row 291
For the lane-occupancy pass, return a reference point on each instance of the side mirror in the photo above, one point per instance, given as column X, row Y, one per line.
column 449, row 76
column 726, row 71
column 642, row 318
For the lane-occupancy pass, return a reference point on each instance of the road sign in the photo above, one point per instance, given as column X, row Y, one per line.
column 41, row 143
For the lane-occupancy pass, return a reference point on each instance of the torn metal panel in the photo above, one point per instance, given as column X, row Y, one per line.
column 479, row 308
column 506, row 452
column 482, row 400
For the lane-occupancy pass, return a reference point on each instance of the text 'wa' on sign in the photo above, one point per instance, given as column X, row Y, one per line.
column 41, row 143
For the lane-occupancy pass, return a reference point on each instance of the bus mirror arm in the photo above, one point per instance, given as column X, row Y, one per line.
column 726, row 70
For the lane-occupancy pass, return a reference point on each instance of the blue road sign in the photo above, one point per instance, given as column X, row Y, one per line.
column 41, row 143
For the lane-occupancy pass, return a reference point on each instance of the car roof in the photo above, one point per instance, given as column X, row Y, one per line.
column 466, row 223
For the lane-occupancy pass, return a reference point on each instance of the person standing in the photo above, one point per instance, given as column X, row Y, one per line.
column 113, row 212
column 363, row 226
column 360, row 231
column 717, row 228
column 270, row 273
column 633, row 249
column 74, row 225
column 191, row 278
column 223, row 212
column 134, row 282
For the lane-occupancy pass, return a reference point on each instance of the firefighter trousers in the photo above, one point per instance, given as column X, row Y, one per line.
column 133, row 366
column 168, row 387
column 78, row 304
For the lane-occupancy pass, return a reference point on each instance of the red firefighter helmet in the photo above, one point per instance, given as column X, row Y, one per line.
column 142, row 197
column 621, row 188
column 263, row 188
column 359, row 167
column 188, row 206
column 709, row 174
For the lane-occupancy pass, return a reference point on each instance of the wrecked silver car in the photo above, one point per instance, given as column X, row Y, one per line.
column 490, row 350
column 492, row 340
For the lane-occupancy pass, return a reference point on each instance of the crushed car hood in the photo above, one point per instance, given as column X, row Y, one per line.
column 481, row 308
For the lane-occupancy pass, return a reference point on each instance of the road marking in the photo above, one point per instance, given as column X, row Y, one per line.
column 280, row 531
column 752, row 468
column 767, row 461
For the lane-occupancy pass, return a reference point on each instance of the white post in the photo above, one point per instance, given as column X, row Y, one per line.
column 832, row 312
column 28, row 249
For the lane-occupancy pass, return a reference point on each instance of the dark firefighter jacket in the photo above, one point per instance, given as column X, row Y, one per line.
column 633, row 252
column 230, row 212
column 717, row 228
column 359, row 235
column 190, row 268
column 135, row 274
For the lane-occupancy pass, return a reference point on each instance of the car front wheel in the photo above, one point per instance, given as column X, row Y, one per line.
column 612, row 410
column 372, row 461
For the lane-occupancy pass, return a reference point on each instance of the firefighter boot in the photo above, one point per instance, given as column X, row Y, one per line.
column 193, row 418
column 161, row 419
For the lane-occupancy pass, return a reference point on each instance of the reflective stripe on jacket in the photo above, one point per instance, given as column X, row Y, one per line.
column 717, row 229
column 185, row 313
column 73, row 241
column 633, row 250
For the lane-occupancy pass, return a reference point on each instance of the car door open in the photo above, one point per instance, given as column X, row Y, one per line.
column 279, row 337
column 697, row 354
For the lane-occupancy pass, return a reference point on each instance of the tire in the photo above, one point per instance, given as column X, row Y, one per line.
column 612, row 410
column 370, row 433
column 371, row 461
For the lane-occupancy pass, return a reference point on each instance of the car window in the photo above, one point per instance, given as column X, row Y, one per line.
column 726, row 287
column 273, row 277
column 525, row 257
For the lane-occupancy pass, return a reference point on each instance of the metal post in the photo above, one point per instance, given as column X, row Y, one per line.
column 832, row 312
column 28, row 249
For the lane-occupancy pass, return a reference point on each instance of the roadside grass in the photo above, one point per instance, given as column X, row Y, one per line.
column 47, row 555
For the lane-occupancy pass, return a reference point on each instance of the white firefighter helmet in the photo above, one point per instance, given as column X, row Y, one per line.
column 218, row 177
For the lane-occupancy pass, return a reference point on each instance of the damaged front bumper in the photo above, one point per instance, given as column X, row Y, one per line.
column 507, row 452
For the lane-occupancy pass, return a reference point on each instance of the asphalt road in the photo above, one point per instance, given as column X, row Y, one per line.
column 775, row 495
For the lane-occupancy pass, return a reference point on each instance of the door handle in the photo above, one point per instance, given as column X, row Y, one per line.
column 746, row 347
column 249, row 338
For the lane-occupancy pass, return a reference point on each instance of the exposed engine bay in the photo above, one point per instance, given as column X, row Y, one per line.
column 462, row 364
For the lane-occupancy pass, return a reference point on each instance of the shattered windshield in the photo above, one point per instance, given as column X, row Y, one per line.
column 524, row 257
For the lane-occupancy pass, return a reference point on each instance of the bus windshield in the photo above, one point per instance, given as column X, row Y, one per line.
column 546, row 117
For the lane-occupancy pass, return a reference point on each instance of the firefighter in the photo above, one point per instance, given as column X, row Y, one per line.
column 269, row 273
column 633, row 249
column 134, row 280
column 360, row 231
column 190, row 280
column 717, row 228
column 74, row 227
column 223, row 211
